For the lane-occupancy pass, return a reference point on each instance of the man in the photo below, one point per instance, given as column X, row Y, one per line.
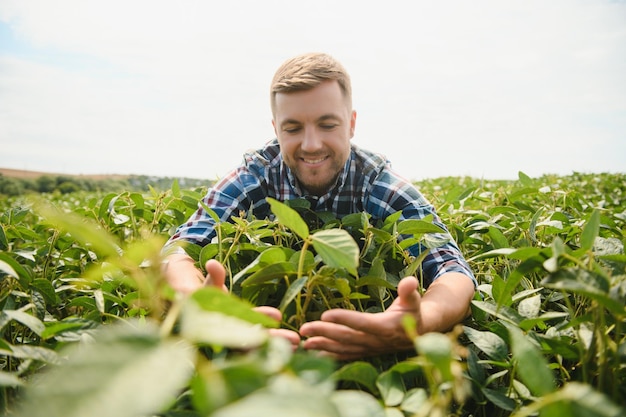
column 312, row 157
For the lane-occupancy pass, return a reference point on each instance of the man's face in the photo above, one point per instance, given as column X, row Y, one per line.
column 314, row 128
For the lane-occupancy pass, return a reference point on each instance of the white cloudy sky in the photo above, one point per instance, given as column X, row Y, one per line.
column 180, row 88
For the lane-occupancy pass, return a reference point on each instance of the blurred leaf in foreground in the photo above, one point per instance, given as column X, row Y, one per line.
column 129, row 371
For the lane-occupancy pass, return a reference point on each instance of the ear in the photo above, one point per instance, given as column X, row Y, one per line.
column 352, row 123
column 274, row 126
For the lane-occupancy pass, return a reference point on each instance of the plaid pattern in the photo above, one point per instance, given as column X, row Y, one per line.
column 367, row 183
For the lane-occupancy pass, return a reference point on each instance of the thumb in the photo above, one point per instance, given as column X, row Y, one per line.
column 408, row 297
column 216, row 274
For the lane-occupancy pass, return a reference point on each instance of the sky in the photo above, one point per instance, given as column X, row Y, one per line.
column 181, row 88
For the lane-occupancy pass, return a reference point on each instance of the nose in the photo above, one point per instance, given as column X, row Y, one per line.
column 311, row 141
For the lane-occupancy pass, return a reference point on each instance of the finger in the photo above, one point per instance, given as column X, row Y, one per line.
column 349, row 320
column 216, row 274
column 343, row 356
column 408, row 297
column 270, row 312
column 334, row 349
column 291, row 336
column 332, row 331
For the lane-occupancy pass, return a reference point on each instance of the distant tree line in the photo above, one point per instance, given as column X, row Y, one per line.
column 65, row 184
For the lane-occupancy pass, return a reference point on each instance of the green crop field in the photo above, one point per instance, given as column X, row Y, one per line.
column 90, row 328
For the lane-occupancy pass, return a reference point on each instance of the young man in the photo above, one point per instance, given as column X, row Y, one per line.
column 313, row 157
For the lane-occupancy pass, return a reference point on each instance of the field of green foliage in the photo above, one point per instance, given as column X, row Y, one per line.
column 89, row 327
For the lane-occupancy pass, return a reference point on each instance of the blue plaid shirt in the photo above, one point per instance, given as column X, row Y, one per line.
column 367, row 183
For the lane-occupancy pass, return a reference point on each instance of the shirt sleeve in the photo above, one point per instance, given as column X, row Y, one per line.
column 228, row 197
column 391, row 193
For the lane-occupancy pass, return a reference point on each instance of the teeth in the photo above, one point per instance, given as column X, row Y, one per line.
column 313, row 161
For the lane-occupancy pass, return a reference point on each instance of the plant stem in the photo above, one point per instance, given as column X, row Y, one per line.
column 300, row 311
column 170, row 319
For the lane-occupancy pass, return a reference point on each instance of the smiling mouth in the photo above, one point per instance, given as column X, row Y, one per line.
column 314, row 161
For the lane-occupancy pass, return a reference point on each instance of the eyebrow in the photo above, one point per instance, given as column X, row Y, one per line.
column 328, row 117
column 322, row 118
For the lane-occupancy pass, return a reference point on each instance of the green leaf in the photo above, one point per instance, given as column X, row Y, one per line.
column 46, row 289
column 493, row 254
column 488, row 342
column 8, row 269
column 59, row 327
column 584, row 282
column 206, row 208
column 391, row 388
column 499, row 291
column 11, row 267
column 437, row 348
column 289, row 218
column 269, row 256
column 271, row 272
column 524, row 179
column 28, row 320
column 502, row 312
column 513, row 281
column 475, row 368
column 293, row 400
column 363, row 373
column 8, row 379
column 138, row 200
column 291, row 293
column 394, row 412
column 99, row 299
column 273, row 255
column 83, row 229
column 609, row 249
column 433, row 240
column 526, row 253
column 353, row 403
column 531, row 365
column 498, row 238
column 3, row 239
column 337, row 249
column 104, row 206
column 374, row 282
column 175, row 189
column 36, row 353
column 85, row 302
column 101, row 379
column 392, row 219
column 358, row 220
column 220, row 329
column 532, row 227
column 418, row 227
column 588, row 402
column 458, row 194
column 414, row 400
column 499, row 398
column 530, row 307
column 209, row 251
column 528, row 324
column 406, row 367
column 590, row 231
column 215, row 300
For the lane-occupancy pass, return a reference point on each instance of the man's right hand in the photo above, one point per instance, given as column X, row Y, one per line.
column 181, row 273
column 185, row 278
column 215, row 275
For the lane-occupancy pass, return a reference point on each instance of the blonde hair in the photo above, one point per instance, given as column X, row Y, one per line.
column 307, row 71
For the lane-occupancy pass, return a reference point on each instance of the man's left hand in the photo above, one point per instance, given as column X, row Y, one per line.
column 349, row 335
column 346, row 334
